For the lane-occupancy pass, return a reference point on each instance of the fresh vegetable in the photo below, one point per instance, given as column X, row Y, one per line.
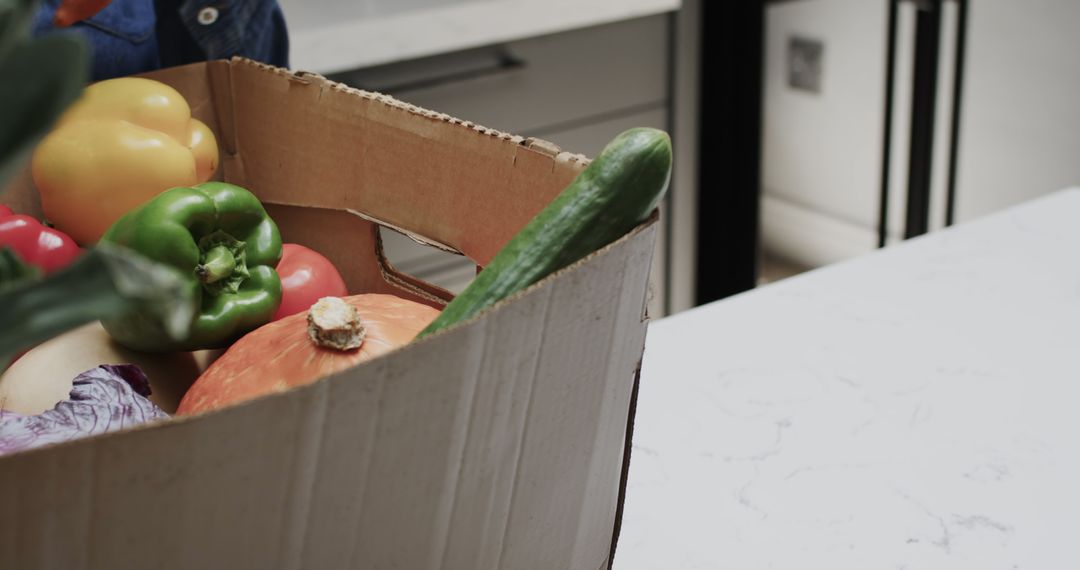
column 42, row 77
column 220, row 239
column 42, row 377
column 106, row 281
column 106, row 398
column 617, row 191
column 306, row 276
column 123, row 142
column 283, row 354
column 37, row 245
column 14, row 271
column 72, row 11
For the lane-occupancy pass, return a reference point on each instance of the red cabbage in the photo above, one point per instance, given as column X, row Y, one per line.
column 106, row 398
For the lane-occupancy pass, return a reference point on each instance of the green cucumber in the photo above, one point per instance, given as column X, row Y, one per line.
column 615, row 193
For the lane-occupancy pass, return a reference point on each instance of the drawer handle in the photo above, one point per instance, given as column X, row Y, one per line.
column 504, row 62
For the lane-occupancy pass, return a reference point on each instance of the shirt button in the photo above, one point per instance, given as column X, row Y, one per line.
column 208, row 15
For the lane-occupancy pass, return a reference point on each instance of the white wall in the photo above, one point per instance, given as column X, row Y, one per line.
column 1020, row 121
column 821, row 151
column 1021, row 111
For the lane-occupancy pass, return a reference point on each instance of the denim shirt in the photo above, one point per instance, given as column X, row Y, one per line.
column 134, row 36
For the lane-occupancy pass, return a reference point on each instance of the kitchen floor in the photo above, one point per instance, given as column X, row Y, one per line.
column 774, row 268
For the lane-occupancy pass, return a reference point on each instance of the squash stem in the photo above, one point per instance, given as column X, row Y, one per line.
column 335, row 324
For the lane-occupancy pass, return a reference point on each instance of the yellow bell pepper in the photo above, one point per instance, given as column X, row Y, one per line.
column 123, row 142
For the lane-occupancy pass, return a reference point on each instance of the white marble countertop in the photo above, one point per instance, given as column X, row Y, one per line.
column 914, row 408
column 339, row 35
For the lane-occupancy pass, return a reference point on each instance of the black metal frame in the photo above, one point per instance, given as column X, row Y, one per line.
column 923, row 111
column 957, row 98
column 729, row 167
column 923, row 115
column 670, row 198
column 886, row 145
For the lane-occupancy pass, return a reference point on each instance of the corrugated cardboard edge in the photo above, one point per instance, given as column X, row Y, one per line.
column 651, row 220
column 308, row 78
column 627, row 450
column 539, row 147
column 409, row 234
column 405, row 281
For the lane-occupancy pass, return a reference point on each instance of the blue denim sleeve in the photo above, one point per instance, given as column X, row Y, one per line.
column 124, row 40
column 250, row 28
column 121, row 37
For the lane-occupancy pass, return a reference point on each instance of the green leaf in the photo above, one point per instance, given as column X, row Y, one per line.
column 41, row 77
column 15, row 16
column 107, row 281
column 13, row 270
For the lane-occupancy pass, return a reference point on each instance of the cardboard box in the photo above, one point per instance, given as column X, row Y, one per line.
column 497, row 444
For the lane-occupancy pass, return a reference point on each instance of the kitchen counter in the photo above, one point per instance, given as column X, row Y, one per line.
column 913, row 408
column 340, row 35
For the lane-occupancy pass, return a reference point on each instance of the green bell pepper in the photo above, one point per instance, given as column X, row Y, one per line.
column 219, row 237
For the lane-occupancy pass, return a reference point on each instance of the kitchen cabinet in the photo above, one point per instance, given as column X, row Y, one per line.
column 331, row 36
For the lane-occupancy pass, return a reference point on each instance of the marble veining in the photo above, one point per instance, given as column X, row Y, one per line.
column 913, row 408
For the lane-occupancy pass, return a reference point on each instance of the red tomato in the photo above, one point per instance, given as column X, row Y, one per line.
column 306, row 277
column 44, row 247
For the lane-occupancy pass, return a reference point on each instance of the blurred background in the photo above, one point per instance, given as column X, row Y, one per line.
column 806, row 131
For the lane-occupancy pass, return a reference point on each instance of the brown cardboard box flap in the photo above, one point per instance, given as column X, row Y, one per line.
column 388, row 160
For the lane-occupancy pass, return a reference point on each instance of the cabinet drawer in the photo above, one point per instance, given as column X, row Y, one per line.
column 536, row 83
column 589, row 139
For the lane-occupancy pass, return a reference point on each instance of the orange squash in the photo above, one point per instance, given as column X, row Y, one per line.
column 281, row 355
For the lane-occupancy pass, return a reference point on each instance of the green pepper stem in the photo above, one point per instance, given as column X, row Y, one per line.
column 218, row 264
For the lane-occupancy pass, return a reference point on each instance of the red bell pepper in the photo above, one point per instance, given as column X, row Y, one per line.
column 35, row 243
